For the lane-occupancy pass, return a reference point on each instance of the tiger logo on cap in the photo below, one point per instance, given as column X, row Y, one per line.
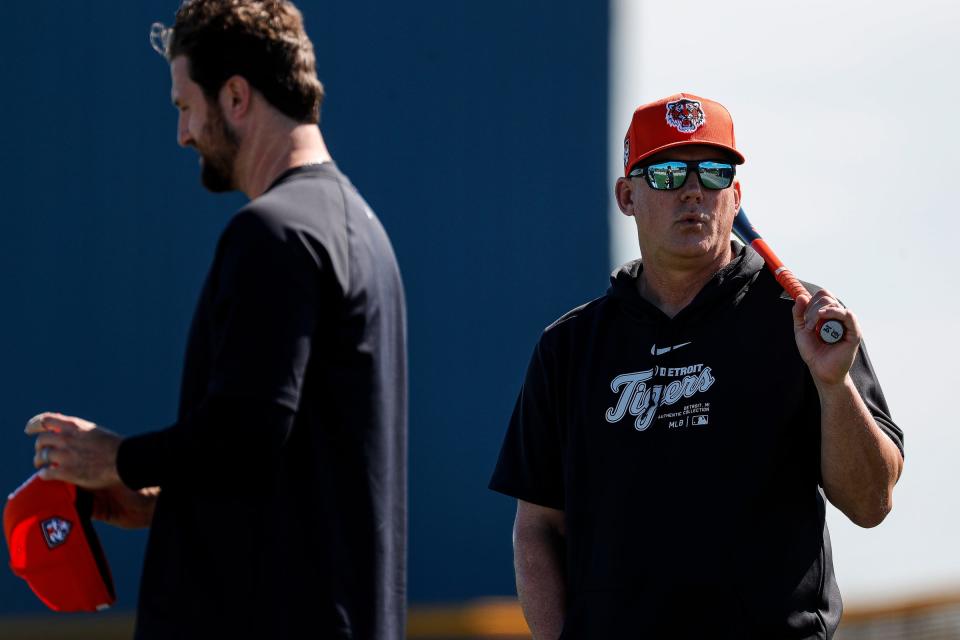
column 686, row 116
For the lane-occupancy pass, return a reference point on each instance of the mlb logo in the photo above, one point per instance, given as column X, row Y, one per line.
column 55, row 531
column 698, row 421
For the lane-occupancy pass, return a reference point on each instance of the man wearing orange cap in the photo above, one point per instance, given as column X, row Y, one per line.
column 674, row 439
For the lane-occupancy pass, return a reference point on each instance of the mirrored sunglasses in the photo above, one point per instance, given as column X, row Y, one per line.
column 671, row 174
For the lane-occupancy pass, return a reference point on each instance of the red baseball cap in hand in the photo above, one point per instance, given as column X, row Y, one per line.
column 54, row 547
column 675, row 121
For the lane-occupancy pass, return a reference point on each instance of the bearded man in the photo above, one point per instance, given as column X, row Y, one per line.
column 277, row 500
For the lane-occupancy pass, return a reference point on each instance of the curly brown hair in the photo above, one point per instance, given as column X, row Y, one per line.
column 262, row 40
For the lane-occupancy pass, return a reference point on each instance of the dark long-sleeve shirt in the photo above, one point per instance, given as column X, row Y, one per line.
column 283, row 501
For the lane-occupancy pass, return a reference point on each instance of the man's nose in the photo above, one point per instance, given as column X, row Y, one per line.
column 184, row 139
column 692, row 189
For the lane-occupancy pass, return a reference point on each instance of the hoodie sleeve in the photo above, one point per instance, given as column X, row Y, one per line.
column 530, row 464
column 865, row 380
column 265, row 305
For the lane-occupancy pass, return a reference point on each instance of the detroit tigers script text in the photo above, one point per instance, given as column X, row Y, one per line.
column 641, row 399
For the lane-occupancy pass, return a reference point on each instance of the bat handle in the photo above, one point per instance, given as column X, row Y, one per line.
column 830, row 331
column 790, row 283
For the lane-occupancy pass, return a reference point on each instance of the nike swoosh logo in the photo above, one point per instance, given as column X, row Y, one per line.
column 659, row 352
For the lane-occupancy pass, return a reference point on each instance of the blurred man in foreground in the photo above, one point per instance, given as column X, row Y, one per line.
column 277, row 501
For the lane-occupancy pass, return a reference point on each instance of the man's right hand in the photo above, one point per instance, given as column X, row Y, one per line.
column 74, row 450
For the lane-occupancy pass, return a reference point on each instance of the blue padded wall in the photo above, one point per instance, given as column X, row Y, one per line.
column 476, row 130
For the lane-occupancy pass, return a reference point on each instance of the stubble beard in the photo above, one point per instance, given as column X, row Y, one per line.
column 218, row 153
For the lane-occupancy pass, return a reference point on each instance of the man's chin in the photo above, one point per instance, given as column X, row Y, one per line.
column 218, row 187
column 695, row 246
column 215, row 181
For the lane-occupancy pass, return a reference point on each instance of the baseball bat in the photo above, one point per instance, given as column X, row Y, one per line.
column 830, row 331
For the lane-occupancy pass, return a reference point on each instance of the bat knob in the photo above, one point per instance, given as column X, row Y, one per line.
column 830, row 331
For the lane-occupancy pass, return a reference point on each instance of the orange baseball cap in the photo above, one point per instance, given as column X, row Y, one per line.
column 54, row 547
column 675, row 121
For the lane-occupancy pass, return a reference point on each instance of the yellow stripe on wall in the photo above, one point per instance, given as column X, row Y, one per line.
column 486, row 618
